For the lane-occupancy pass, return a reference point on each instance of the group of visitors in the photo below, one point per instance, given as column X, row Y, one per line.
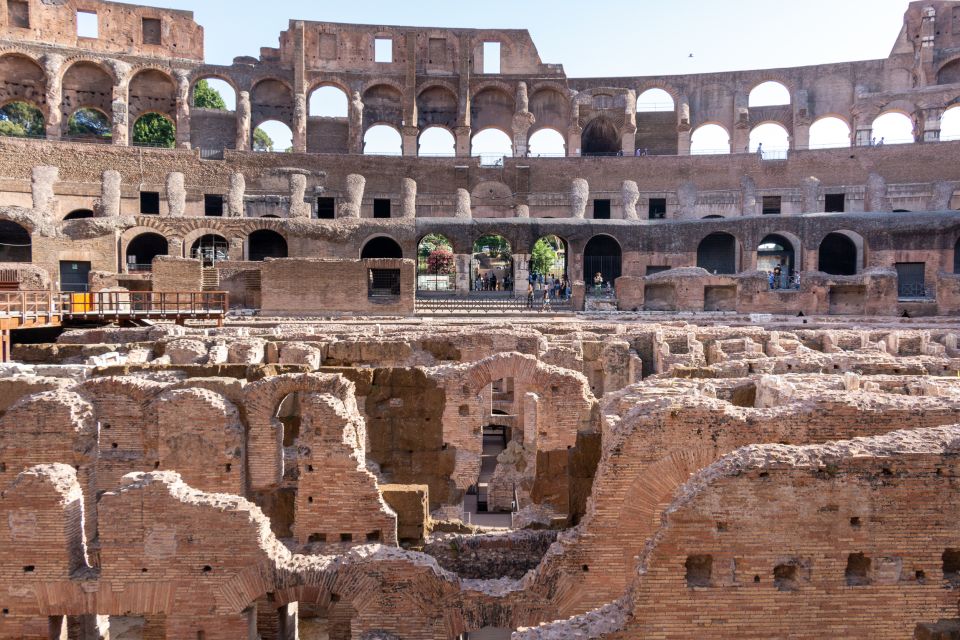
column 547, row 290
column 490, row 282
column 779, row 278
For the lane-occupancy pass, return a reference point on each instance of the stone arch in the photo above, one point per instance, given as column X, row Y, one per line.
column 551, row 108
column 719, row 253
column 769, row 93
column 777, row 250
column 707, row 139
column 825, row 132
column 439, row 139
column 602, row 254
column 841, row 253
column 78, row 214
column 492, row 107
column 152, row 90
column 266, row 243
column 383, row 138
column 139, row 252
column 772, row 134
column 436, row 263
column 23, row 81
column 87, row 84
column 600, row 137
column 380, row 246
column 437, row 105
column 16, row 244
column 894, row 125
column 191, row 237
column 222, row 77
column 271, row 99
column 382, row 104
column 547, row 141
column 265, row 431
column 949, row 71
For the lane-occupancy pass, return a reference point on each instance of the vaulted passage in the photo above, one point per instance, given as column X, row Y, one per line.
column 717, row 254
column 838, row 255
column 600, row 138
column 381, row 247
column 265, row 244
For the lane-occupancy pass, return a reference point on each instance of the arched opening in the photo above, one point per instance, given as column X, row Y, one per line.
column 154, row 130
column 210, row 249
column 653, row 100
column 23, row 80
column 78, row 214
column 828, row 133
column 491, row 146
column 949, row 73
column 143, row 249
column 271, row 99
column 436, row 264
column 265, row 243
column 548, row 266
column 710, row 139
column 382, row 104
column 547, row 143
column 601, row 264
column 273, row 136
column 956, row 256
column 772, row 136
column 382, row 140
column 837, row 255
column 600, row 138
column 86, row 85
column 213, row 93
column 437, row 141
column 776, row 258
column 381, row 247
column 328, row 102
column 950, row 124
column 551, row 108
column 437, row 106
column 15, row 243
column 892, row 128
column 717, row 253
column 492, row 108
column 492, row 265
column 22, row 120
column 89, row 125
column 768, row 94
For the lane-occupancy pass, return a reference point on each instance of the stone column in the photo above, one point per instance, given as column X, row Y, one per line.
column 300, row 123
column 864, row 135
column 408, row 198
column 244, row 117
column 355, row 124
column 238, row 186
column 931, row 124
column 522, row 121
column 109, row 204
column 683, row 141
column 410, row 137
column 176, row 195
column 574, row 141
column 521, row 273
column 52, row 64
column 235, row 249
column 740, row 136
column 811, row 195
column 43, row 180
column 175, row 247
column 183, row 108
column 462, row 136
column 630, row 195
column 463, row 208
column 628, row 133
column 121, row 115
column 298, row 195
column 350, row 207
column 579, row 196
column 801, row 136
column 463, row 273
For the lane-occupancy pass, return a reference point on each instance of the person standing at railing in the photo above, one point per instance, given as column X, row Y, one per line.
column 760, row 151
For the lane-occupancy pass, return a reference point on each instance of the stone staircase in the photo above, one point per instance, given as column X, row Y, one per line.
column 210, row 279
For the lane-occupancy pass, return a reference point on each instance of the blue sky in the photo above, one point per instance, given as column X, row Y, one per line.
column 614, row 38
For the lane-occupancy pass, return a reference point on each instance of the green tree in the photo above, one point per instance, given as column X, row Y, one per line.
column 155, row 130
column 431, row 242
column 206, row 97
column 262, row 141
column 543, row 257
column 493, row 245
column 21, row 119
column 89, row 122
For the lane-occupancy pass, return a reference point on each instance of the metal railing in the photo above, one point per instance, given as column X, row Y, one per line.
column 27, row 304
column 144, row 304
column 915, row 291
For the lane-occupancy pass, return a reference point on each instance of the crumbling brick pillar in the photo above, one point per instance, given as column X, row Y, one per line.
column 176, row 194
column 630, row 195
column 52, row 63
column 238, row 186
column 408, row 198
column 300, row 123
column 462, row 135
column 183, row 109
column 931, row 124
column 120, row 105
column 463, row 208
column 409, row 136
column 350, row 207
column 244, row 115
column 355, row 124
column 864, row 135
column 109, row 204
column 42, row 183
column 579, row 196
column 298, row 195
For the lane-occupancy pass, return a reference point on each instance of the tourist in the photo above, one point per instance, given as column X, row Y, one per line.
column 760, row 151
column 770, row 278
column 598, row 281
column 880, row 144
column 530, row 295
column 776, row 277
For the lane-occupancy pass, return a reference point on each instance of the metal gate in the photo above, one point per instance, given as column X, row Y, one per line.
column 608, row 267
column 75, row 276
column 911, row 282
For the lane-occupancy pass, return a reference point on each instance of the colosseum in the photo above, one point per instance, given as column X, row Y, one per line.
column 640, row 384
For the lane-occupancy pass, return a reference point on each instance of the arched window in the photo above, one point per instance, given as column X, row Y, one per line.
column 78, row 214
column 655, row 100
column 829, row 132
column 893, row 128
column 264, row 243
column 382, row 140
column 328, row 102
column 15, row 243
column 717, row 254
column 272, row 136
column 437, row 141
column 710, row 139
column 154, row 130
column 213, row 93
column 950, row 124
column 436, row 264
column 211, row 249
column 837, row 255
column 21, row 120
column 769, row 94
column 90, row 125
column 381, row 247
column 772, row 136
column 143, row 249
column 600, row 138
column 492, row 265
column 548, row 258
column 775, row 255
column 492, row 146
column 547, row 142
column 602, row 259
column 87, row 85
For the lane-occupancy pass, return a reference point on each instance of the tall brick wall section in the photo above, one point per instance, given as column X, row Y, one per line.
column 318, row 287
column 177, row 274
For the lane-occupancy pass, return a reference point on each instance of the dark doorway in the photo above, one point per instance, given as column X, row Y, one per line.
column 75, row 276
column 838, row 255
column 79, row 214
column 600, row 138
column 956, row 257
column 212, row 205
column 381, row 208
column 834, row 202
column 143, row 249
column 911, row 281
column 602, row 255
column 601, row 209
column 150, row 203
column 326, row 208
column 382, row 247
column 15, row 243
column 265, row 244
column 657, row 208
column 717, row 254
column 210, row 248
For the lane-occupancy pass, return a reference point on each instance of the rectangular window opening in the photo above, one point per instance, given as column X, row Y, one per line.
column 911, row 279
column 834, row 202
column 658, row 208
column 212, row 204
column 18, row 14
column 383, row 50
column 87, row 25
column 328, row 46
column 437, row 51
column 771, row 205
column 601, row 209
column 381, row 208
column 383, row 283
column 326, row 208
column 150, row 202
column 491, row 57
column 151, row 31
